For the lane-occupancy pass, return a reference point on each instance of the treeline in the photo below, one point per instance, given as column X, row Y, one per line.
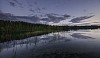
column 15, row 30
column 22, row 26
column 15, row 26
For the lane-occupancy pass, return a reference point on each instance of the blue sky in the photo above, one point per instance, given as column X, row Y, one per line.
column 74, row 8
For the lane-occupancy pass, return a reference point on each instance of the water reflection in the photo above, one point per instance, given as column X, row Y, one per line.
column 80, row 36
column 81, row 43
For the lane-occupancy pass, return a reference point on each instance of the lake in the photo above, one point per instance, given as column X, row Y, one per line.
column 65, row 44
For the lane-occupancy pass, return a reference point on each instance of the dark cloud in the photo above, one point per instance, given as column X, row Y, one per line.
column 11, row 17
column 7, row 16
column 53, row 14
column 67, row 16
column 35, row 18
column 78, row 19
column 12, row 4
column 32, row 10
column 38, row 9
column 17, row 2
column 55, row 17
column 31, row 18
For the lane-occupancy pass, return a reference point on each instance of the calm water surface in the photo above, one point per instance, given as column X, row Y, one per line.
column 71, row 44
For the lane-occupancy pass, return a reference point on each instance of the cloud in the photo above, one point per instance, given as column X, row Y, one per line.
column 44, row 8
column 17, row 2
column 12, row 4
column 78, row 19
column 11, row 17
column 55, row 17
column 95, row 22
column 31, row 18
column 7, row 16
column 67, row 16
column 38, row 9
column 32, row 10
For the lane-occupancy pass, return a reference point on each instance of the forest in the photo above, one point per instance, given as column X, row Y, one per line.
column 16, row 26
column 15, row 30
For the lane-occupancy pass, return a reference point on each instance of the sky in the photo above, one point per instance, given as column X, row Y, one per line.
column 86, row 11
